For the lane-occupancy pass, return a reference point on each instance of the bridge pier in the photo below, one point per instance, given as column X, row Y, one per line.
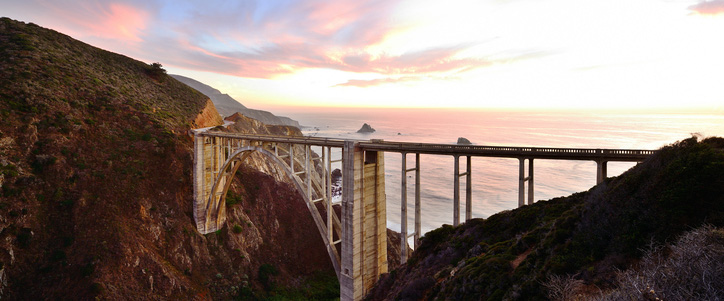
column 456, row 190
column 364, row 221
column 601, row 170
column 521, row 182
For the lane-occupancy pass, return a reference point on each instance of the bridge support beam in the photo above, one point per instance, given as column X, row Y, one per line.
column 601, row 171
column 531, row 183
column 403, row 210
column 364, row 216
column 418, row 217
column 456, row 192
column 468, row 190
column 521, row 182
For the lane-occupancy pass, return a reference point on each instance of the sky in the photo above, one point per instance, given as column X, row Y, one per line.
column 665, row 55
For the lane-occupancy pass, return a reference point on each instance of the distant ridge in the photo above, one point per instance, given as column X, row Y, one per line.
column 227, row 106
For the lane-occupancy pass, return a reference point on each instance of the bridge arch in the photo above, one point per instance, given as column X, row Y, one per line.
column 216, row 205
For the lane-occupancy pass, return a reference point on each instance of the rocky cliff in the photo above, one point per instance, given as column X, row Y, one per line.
column 228, row 106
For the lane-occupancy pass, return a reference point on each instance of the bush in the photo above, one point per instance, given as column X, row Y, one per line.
column 232, row 198
column 156, row 71
column 237, row 229
column 691, row 269
column 265, row 272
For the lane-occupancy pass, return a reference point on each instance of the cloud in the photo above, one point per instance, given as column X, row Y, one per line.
column 255, row 38
column 376, row 82
column 123, row 22
column 713, row 7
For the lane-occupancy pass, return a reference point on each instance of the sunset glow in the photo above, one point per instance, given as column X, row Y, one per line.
column 556, row 54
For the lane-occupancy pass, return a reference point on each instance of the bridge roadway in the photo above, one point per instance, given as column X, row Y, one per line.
column 590, row 154
column 360, row 230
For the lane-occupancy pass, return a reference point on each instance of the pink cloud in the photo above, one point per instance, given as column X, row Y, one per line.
column 713, row 7
column 107, row 20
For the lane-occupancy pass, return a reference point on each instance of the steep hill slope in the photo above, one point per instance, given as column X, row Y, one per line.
column 96, row 188
column 585, row 237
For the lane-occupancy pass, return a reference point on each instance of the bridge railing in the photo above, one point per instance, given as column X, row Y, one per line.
column 509, row 151
column 433, row 148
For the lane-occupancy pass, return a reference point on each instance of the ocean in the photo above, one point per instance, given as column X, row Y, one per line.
column 495, row 180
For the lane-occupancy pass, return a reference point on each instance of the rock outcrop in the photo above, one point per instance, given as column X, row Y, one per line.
column 464, row 141
column 366, row 129
column 208, row 117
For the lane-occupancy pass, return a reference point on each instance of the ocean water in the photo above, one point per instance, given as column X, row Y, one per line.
column 495, row 180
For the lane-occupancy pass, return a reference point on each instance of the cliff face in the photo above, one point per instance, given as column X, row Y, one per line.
column 96, row 188
column 584, row 239
column 208, row 116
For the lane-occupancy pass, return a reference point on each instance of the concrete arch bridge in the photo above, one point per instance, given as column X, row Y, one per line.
column 356, row 240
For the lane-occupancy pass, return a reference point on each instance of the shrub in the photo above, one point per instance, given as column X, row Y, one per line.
column 237, row 229
column 156, row 71
column 232, row 198
column 265, row 272
column 563, row 287
column 691, row 269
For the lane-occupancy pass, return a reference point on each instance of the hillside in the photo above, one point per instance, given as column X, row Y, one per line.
column 228, row 106
column 96, row 188
column 585, row 239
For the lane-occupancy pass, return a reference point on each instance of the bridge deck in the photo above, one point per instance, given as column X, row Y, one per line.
column 630, row 155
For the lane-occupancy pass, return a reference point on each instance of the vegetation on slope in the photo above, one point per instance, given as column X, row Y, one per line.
column 586, row 237
column 96, row 188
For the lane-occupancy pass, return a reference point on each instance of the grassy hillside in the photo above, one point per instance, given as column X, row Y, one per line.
column 584, row 238
column 96, row 188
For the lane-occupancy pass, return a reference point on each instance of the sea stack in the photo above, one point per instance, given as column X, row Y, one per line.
column 464, row 141
column 366, row 129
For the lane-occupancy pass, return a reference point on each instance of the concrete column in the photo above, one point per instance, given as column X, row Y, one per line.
column 200, row 198
column 468, row 191
column 530, row 182
column 348, row 271
column 328, row 180
column 521, row 182
column 308, row 172
column 291, row 158
column 403, row 210
column 364, row 221
column 456, row 192
column 418, row 218
column 601, row 171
